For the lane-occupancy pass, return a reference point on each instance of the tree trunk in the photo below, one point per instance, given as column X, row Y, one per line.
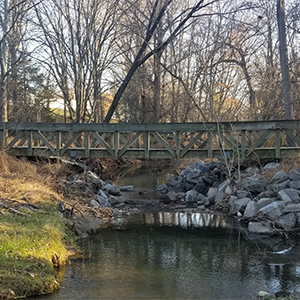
column 284, row 59
column 3, row 77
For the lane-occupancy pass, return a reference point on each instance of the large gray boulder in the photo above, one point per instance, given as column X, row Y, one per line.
column 238, row 205
column 264, row 202
column 259, row 228
column 192, row 196
column 171, row 196
column 292, row 208
column 254, row 185
column 288, row 221
column 250, row 209
column 295, row 184
column 289, row 195
column 274, row 210
column 221, row 190
column 243, row 194
column 111, row 189
column 201, row 187
column 103, row 201
column 294, row 175
column 276, row 187
column 212, row 192
column 279, row 176
column 114, row 201
column 173, row 180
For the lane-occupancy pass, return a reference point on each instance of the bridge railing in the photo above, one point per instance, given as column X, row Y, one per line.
column 168, row 140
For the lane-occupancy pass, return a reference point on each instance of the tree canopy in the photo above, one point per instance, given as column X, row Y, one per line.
column 149, row 60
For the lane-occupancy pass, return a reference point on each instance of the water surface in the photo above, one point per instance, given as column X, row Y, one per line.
column 147, row 262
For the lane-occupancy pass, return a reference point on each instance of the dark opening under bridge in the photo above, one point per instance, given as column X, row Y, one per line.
column 273, row 139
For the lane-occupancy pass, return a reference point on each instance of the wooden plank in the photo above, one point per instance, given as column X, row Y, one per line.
column 178, row 144
column 58, row 142
column 147, row 139
column 2, row 139
column 210, row 146
column 161, row 127
column 278, row 143
column 87, row 144
column 29, row 140
column 116, row 143
column 243, row 143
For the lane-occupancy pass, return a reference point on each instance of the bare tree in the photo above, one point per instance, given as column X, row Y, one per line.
column 157, row 12
column 284, row 59
column 3, row 78
column 12, row 27
column 78, row 36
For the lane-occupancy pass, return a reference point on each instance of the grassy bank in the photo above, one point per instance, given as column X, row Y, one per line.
column 33, row 238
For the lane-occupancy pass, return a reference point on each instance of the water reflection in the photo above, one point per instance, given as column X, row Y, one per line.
column 175, row 263
column 185, row 219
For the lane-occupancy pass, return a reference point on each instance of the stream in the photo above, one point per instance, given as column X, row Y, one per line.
column 176, row 256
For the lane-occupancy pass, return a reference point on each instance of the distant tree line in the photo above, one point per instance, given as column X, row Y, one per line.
column 149, row 60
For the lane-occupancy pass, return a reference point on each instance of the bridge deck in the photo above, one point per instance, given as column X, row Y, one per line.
column 189, row 140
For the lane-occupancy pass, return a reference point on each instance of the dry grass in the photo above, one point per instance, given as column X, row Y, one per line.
column 24, row 181
column 31, row 240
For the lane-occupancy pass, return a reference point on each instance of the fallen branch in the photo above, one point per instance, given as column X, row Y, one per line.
column 15, row 211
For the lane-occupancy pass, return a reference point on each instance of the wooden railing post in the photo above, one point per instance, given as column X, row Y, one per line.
column 116, row 142
column 210, row 145
column 278, row 142
column 147, row 143
column 29, row 141
column 87, row 144
column 58, row 142
column 243, row 143
column 2, row 139
column 178, row 144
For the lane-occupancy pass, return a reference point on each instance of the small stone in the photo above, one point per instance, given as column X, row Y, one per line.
column 271, row 166
column 128, row 188
column 264, row 295
column 94, row 204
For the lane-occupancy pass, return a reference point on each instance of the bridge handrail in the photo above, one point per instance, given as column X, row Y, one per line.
column 168, row 127
column 160, row 140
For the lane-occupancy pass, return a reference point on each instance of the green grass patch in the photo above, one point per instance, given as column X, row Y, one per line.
column 30, row 249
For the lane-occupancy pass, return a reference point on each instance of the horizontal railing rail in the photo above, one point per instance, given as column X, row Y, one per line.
column 272, row 139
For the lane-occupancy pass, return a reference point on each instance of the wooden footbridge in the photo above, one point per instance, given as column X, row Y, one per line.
column 274, row 139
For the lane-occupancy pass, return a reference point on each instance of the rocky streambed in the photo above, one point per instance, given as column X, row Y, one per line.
column 263, row 201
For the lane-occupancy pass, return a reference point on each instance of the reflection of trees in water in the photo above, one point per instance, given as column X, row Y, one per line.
column 179, row 260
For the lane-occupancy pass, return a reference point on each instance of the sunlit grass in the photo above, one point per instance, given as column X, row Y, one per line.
column 29, row 248
column 33, row 244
